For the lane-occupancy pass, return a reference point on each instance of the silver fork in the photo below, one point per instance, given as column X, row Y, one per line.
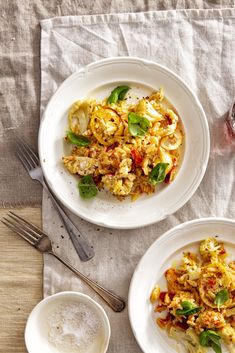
column 31, row 163
column 40, row 240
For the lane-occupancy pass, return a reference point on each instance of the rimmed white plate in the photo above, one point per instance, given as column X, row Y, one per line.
column 97, row 80
column 163, row 253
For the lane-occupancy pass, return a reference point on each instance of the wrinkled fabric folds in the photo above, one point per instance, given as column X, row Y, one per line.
column 199, row 46
column 20, row 76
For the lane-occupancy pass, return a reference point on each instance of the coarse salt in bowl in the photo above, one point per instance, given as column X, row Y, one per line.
column 67, row 322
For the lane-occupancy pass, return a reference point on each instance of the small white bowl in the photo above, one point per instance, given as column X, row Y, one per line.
column 41, row 327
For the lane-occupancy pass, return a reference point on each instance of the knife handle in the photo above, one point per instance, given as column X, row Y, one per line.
column 84, row 250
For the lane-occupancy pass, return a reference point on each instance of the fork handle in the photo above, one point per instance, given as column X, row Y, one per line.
column 84, row 250
column 114, row 301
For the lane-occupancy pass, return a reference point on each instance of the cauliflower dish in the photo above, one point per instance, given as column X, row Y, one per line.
column 198, row 307
column 124, row 147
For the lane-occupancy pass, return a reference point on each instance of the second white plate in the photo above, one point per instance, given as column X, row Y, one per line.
column 164, row 252
column 97, row 80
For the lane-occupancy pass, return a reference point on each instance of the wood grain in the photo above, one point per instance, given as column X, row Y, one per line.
column 21, row 282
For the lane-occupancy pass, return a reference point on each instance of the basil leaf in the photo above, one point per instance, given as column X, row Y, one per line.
column 158, row 173
column 188, row 312
column 214, row 337
column 211, row 339
column 87, row 187
column 187, row 305
column 188, row 309
column 118, row 94
column 137, row 124
column 216, row 347
column 208, row 335
column 123, row 93
column 204, row 339
column 78, row 140
column 221, row 297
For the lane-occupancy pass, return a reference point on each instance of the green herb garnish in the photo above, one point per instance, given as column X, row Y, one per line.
column 137, row 124
column 158, row 173
column 209, row 338
column 221, row 297
column 87, row 187
column 118, row 94
column 78, row 140
column 187, row 309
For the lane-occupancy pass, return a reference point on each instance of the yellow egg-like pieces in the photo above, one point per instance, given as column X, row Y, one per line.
column 106, row 126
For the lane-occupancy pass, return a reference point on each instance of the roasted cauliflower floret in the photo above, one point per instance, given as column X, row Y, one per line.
column 211, row 248
column 125, row 167
column 145, row 108
column 189, row 264
column 209, row 319
column 188, row 338
column 120, row 186
column 179, row 298
column 79, row 116
column 80, row 165
column 228, row 334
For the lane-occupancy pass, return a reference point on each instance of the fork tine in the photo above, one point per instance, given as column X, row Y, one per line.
column 30, row 153
column 17, row 230
column 22, row 227
column 24, row 161
column 35, row 231
column 24, row 154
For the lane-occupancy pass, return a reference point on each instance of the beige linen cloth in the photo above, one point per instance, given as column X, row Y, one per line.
column 199, row 46
column 20, row 76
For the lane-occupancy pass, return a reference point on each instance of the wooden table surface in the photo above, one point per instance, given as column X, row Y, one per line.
column 21, row 283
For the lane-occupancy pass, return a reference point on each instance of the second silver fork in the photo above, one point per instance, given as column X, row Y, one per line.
column 40, row 240
column 32, row 165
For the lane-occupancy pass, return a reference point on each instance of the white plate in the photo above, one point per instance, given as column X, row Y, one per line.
column 162, row 254
column 97, row 80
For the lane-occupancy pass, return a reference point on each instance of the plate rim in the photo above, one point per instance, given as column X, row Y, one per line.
column 163, row 237
column 194, row 185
